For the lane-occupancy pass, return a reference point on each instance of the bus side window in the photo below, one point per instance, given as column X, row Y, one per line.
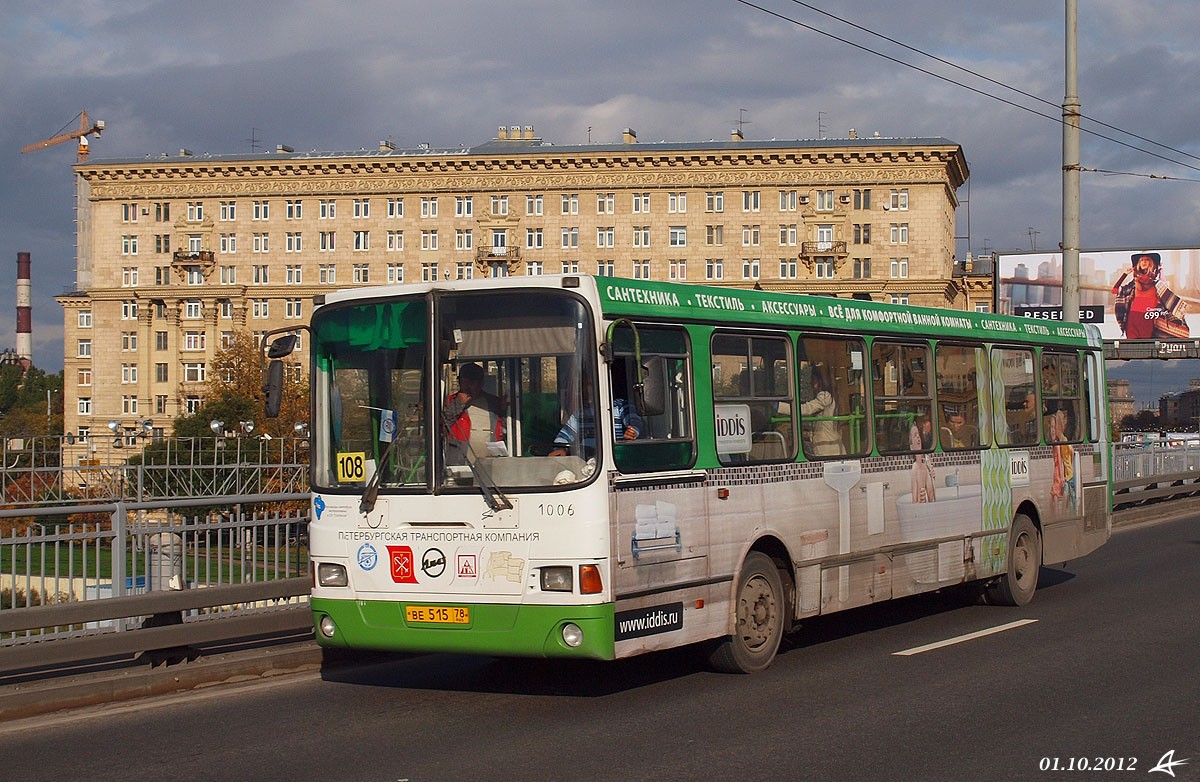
column 903, row 405
column 832, row 396
column 963, row 422
column 666, row 440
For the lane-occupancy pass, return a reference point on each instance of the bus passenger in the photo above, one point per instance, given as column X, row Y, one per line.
column 581, row 425
column 823, row 432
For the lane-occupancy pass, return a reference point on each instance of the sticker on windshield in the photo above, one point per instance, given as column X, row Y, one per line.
column 352, row 467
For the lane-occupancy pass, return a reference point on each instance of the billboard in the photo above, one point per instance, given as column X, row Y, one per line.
column 1130, row 294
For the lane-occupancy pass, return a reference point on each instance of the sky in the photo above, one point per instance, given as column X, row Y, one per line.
column 211, row 76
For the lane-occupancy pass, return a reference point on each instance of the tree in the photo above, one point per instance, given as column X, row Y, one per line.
column 30, row 402
column 1141, row 421
column 233, row 393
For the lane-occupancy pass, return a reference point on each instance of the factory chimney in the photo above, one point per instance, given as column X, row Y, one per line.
column 24, row 311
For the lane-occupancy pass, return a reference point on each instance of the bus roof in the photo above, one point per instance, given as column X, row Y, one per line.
column 691, row 302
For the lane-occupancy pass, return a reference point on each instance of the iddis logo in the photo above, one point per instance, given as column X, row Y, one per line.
column 400, row 560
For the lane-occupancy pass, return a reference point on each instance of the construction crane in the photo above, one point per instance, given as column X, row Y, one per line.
column 86, row 128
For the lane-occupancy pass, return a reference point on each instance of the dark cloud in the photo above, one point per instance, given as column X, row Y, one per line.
column 325, row 75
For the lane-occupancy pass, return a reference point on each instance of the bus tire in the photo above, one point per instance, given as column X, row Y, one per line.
column 1017, row 585
column 760, row 615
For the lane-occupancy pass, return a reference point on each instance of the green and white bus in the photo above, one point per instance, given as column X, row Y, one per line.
column 788, row 456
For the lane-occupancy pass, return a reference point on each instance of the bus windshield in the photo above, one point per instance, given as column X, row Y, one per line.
column 492, row 391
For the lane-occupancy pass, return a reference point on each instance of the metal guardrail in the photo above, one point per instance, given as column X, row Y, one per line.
column 99, row 579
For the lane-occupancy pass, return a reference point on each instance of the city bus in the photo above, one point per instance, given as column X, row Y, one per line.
column 595, row 467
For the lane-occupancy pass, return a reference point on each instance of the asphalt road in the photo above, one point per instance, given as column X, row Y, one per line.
column 1100, row 670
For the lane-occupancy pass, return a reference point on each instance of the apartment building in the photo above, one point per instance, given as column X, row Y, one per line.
column 177, row 253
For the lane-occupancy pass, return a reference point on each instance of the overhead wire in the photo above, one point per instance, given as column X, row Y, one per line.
column 970, row 88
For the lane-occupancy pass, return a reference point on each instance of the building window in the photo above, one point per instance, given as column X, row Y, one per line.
column 129, row 404
column 326, row 209
column 714, row 235
column 677, row 203
column 641, row 236
column 825, row 237
column 160, row 340
column 227, row 211
column 293, row 209
column 570, row 203
column 84, row 377
column 228, row 243
column 862, row 268
column 129, row 245
column 641, row 203
column 751, row 235
column 534, row 205
column 192, row 404
column 262, row 243
column 429, row 206
column 226, row 308
column 983, row 306
column 362, row 241
column 129, row 213
column 825, row 200
column 824, row 268
column 292, row 274
column 605, row 237
column 293, row 242
column 85, row 319
column 260, row 210
column 228, row 275
column 194, row 372
column 570, row 238
column 750, row 268
column 162, row 211
column 161, row 373
column 429, row 240
column 677, row 236
column 570, row 267
column 429, row 272
column 328, row 241
column 677, row 268
column 195, row 211
column 327, row 274
column 899, row 199
column 464, row 270
column 160, row 404
column 360, row 274
column 260, row 308
column 128, row 340
column 787, row 269
column 714, row 269
column 395, row 241
column 464, row 239
column 395, row 208
column 788, row 235
column 500, row 205
column 533, row 239
column 262, row 274
column 714, row 201
column 899, row 298
column 129, row 373
column 162, row 243
column 787, row 200
column 606, row 268
column 899, row 233
column 129, row 277
column 192, row 309
column 464, row 206
column 862, row 199
column 129, row 310
column 362, row 208
column 195, row 243
column 641, row 270
column 395, row 273
column 293, row 308
column 83, row 348
column 862, row 233
column 533, row 268
column 751, row 200
column 85, row 405
column 606, row 203
column 194, row 340
column 899, row 268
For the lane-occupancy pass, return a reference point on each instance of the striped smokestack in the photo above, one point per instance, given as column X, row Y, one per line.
column 24, row 313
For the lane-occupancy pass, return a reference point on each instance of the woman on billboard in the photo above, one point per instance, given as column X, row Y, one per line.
column 1145, row 307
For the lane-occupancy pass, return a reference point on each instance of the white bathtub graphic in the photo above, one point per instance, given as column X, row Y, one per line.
column 956, row 511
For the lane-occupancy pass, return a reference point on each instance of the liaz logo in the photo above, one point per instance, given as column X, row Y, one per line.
column 433, row 563
column 400, row 559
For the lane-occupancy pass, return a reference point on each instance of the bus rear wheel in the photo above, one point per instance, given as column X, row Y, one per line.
column 760, row 610
column 1016, row 587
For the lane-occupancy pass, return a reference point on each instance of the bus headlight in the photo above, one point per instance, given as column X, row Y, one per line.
column 327, row 627
column 572, row 634
column 330, row 574
column 557, row 579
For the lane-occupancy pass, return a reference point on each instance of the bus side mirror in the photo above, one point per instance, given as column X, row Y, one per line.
column 282, row 347
column 652, row 399
column 274, row 388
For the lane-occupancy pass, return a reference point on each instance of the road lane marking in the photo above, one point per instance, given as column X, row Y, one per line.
column 962, row 638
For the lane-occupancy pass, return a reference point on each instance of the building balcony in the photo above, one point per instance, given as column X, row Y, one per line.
column 810, row 250
column 486, row 256
column 201, row 257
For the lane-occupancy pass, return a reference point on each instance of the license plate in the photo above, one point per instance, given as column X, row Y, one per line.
column 443, row 615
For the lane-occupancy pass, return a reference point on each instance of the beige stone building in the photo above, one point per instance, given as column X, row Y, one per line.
column 176, row 253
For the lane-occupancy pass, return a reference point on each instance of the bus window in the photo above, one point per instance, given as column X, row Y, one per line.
column 962, row 374
column 903, row 402
column 752, row 398
column 1020, row 396
column 666, row 441
column 833, row 421
column 1062, row 393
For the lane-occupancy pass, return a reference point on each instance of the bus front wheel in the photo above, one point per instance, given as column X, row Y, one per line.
column 760, row 614
column 1016, row 587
